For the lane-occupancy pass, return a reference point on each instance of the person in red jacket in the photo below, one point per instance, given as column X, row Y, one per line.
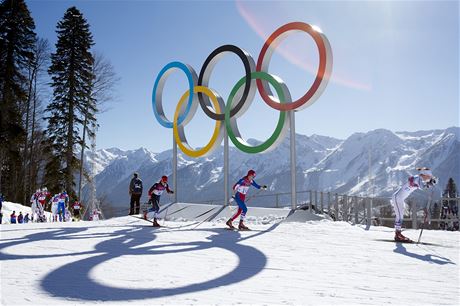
column 76, row 206
column 13, row 217
column 155, row 193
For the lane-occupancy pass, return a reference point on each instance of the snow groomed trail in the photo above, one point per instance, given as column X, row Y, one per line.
column 126, row 261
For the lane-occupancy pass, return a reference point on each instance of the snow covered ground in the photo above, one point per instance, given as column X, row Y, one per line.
column 126, row 261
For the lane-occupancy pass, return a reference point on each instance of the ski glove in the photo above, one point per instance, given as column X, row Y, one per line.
column 171, row 191
column 264, row 187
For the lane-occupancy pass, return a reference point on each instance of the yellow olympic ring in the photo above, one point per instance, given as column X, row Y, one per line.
column 178, row 130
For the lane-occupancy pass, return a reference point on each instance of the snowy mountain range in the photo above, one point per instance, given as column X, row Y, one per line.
column 323, row 164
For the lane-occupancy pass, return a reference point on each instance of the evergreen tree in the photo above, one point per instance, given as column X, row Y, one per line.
column 451, row 189
column 33, row 118
column 17, row 41
column 451, row 206
column 72, row 78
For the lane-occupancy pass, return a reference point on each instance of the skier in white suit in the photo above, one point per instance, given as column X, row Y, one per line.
column 423, row 180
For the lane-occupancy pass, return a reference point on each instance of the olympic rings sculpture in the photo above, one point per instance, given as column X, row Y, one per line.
column 242, row 94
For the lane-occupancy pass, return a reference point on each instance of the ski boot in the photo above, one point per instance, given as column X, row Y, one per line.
column 155, row 223
column 229, row 224
column 399, row 237
column 243, row 227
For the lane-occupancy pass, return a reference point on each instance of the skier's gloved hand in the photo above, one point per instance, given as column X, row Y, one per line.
column 171, row 192
column 264, row 187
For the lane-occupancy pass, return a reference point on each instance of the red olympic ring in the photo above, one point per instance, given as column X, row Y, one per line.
column 322, row 76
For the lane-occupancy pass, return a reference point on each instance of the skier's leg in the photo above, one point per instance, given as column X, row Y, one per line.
column 399, row 216
column 245, row 210
column 398, row 204
column 131, row 205
column 137, row 203
column 241, row 206
column 156, row 209
column 242, row 209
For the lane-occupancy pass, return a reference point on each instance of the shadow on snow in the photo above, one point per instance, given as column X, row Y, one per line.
column 125, row 242
column 436, row 259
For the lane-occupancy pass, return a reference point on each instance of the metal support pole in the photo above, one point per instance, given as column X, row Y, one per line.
column 226, row 170
column 277, row 200
column 291, row 115
column 321, row 201
column 174, row 166
column 311, row 201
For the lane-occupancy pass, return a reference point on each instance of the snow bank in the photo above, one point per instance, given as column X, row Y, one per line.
column 9, row 207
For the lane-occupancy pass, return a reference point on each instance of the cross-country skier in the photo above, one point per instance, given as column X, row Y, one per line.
column 34, row 205
column 54, row 207
column 155, row 192
column 63, row 199
column 423, row 180
column 76, row 209
column 240, row 189
column 37, row 206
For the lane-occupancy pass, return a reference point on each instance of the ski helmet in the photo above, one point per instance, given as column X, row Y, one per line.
column 164, row 178
column 251, row 172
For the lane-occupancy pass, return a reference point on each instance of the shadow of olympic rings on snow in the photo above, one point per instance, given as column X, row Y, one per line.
column 55, row 235
column 125, row 242
column 251, row 262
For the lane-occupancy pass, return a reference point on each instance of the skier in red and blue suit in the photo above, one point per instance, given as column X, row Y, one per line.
column 155, row 192
column 240, row 189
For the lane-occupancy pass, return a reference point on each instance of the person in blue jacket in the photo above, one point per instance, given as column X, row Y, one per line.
column 240, row 189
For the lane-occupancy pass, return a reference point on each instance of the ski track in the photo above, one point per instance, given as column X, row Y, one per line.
column 123, row 261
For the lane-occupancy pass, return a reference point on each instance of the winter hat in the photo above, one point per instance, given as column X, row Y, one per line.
column 251, row 172
column 425, row 171
column 164, row 178
column 136, row 174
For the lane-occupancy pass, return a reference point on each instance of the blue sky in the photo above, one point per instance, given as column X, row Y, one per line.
column 396, row 63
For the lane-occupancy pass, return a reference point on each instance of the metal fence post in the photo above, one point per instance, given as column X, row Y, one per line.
column 368, row 211
column 356, row 208
column 316, row 200
column 311, row 201
column 336, row 204
column 322, row 202
column 346, row 208
column 414, row 214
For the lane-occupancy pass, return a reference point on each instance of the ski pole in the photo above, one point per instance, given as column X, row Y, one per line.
column 426, row 210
